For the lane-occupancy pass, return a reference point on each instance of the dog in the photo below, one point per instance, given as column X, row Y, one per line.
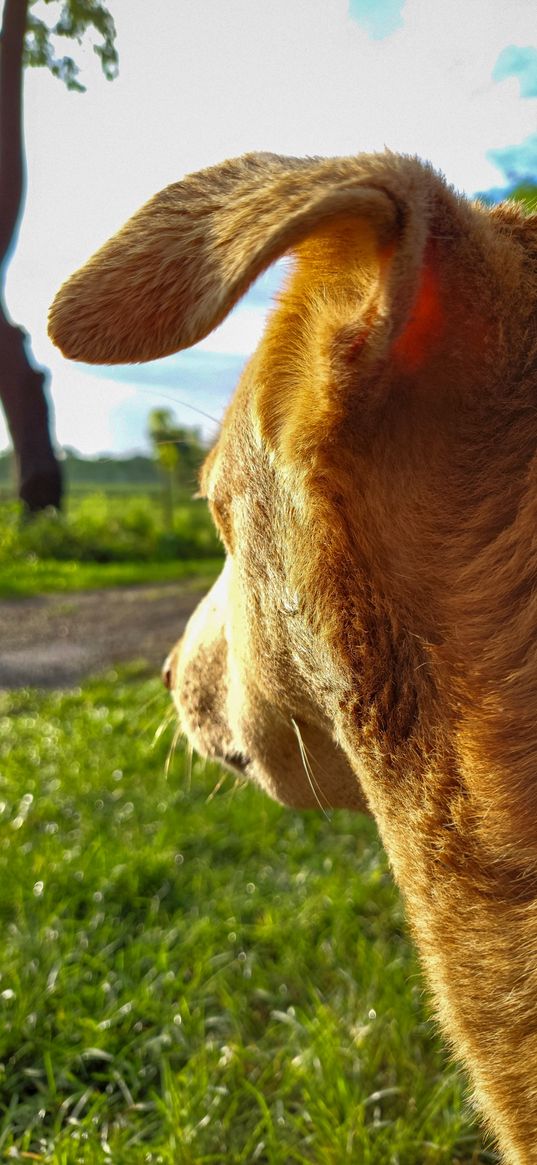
column 371, row 641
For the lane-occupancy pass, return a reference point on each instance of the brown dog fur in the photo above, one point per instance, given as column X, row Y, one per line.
column 373, row 634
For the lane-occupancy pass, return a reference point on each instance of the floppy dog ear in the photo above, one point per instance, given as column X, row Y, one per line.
column 180, row 264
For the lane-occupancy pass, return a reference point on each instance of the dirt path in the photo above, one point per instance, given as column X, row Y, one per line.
column 54, row 640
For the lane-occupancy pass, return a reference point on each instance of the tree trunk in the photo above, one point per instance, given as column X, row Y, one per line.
column 21, row 384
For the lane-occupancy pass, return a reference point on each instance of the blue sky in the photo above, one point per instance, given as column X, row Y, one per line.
column 379, row 18
column 453, row 82
column 518, row 61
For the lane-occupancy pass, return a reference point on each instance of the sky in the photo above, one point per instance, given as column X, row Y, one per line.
column 201, row 80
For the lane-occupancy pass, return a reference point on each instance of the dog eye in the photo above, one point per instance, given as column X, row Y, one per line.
column 220, row 511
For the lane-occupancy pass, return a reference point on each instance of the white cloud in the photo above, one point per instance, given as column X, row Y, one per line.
column 240, row 332
column 84, row 407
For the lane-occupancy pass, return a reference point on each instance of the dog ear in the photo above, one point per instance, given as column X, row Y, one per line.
column 180, row 264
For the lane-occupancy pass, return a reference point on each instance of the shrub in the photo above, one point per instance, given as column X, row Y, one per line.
column 98, row 528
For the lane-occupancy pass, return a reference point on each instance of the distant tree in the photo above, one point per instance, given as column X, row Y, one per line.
column 178, row 452
column 527, row 194
column 163, row 434
column 26, row 39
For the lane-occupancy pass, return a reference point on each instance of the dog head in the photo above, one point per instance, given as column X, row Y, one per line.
column 365, row 462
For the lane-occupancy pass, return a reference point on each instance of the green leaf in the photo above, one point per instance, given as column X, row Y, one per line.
column 75, row 20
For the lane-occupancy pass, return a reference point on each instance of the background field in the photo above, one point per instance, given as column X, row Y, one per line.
column 189, row 973
column 105, row 538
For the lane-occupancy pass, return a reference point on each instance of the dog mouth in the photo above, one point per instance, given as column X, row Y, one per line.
column 237, row 761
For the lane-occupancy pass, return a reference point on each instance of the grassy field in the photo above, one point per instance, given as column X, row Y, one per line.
column 191, row 974
column 105, row 539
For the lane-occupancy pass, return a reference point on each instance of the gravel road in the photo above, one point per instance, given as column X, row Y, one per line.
column 53, row 641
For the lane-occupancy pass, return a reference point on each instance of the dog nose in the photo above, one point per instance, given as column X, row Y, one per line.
column 168, row 671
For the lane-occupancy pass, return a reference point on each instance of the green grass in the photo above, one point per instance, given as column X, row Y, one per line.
column 192, row 978
column 45, row 576
column 104, row 540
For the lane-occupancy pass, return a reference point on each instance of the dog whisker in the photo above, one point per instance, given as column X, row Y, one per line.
column 238, row 784
column 309, row 771
column 148, row 703
column 189, row 763
column 158, row 715
column 171, row 751
column 143, row 389
column 151, row 724
column 221, row 781
column 163, row 726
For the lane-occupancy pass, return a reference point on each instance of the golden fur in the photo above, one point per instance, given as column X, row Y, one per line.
column 375, row 484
